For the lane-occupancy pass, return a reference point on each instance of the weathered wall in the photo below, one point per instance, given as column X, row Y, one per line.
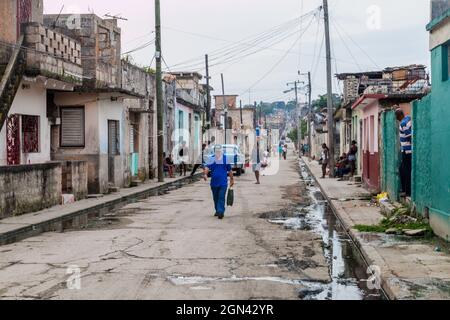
column 75, row 178
column 35, row 95
column 8, row 12
column 29, row 188
column 390, row 179
column 431, row 172
column 54, row 54
column 100, row 42
column 99, row 108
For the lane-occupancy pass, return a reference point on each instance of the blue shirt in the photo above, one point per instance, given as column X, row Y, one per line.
column 219, row 171
column 406, row 135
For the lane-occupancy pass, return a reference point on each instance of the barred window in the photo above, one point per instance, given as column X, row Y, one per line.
column 30, row 134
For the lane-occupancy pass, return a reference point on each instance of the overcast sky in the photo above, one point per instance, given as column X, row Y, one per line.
column 366, row 35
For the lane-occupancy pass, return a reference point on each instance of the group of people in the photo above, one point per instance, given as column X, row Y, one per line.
column 282, row 150
column 346, row 163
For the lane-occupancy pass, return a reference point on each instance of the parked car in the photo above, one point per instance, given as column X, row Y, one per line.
column 234, row 157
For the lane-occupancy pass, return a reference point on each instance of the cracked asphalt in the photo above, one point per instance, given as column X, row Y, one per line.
column 171, row 247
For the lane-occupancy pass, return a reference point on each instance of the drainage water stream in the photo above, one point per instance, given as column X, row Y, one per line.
column 347, row 268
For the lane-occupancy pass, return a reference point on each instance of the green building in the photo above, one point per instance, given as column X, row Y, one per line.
column 431, row 125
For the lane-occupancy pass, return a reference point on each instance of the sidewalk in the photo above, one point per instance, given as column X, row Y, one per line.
column 410, row 268
column 61, row 217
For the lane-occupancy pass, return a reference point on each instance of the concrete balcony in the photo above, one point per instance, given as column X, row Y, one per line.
column 52, row 55
column 192, row 98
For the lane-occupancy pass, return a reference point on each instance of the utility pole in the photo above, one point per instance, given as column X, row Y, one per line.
column 242, row 120
column 297, row 112
column 255, row 115
column 309, row 114
column 208, row 95
column 225, row 108
column 331, row 139
column 159, row 93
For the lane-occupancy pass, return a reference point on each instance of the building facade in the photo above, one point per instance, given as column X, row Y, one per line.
column 431, row 173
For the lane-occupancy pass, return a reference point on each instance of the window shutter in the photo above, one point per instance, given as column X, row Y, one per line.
column 72, row 127
column 113, row 137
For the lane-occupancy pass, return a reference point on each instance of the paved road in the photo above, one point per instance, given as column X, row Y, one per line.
column 171, row 247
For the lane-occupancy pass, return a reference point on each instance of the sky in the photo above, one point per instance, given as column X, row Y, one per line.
column 366, row 35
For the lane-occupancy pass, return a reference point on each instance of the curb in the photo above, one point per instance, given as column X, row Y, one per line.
column 81, row 216
column 368, row 260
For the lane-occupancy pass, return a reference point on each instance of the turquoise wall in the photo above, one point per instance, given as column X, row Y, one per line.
column 431, row 160
column 390, row 180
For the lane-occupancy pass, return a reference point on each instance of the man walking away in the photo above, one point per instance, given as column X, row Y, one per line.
column 200, row 161
column 405, row 130
column 220, row 171
column 325, row 160
column 256, row 161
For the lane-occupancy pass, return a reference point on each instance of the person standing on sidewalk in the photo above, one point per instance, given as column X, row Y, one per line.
column 220, row 171
column 183, row 158
column 325, row 160
column 352, row 154
column 405, row 130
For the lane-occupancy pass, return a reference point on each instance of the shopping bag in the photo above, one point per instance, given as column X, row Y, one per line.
column 230, row 197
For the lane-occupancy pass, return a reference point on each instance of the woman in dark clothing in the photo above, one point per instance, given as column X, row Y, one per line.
column 352, row 157
column 325, row 160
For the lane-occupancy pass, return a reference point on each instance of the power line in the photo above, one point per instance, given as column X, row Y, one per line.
column 279, row 61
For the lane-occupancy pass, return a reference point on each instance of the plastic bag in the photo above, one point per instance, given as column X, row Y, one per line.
column 230, row 197
column 383, row 197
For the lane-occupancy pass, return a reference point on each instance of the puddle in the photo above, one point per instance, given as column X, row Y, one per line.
column 347, row 269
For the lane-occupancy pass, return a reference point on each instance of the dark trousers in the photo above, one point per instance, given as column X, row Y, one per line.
column 219, row 194
column 324, row 169
column 405, row 173
column 195, row 169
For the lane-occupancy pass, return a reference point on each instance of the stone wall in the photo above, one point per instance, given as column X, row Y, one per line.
column 53, row 54
column 29, row 188
column 75, row 179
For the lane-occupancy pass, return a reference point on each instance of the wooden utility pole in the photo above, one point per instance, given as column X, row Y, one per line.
column 208, row 95
column 309, row 114
column 330, row 108
column 159, row 92
column 225, row 107
column 242, row 120
column 297, row 111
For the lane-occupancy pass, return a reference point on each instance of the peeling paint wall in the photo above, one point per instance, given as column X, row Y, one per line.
column 29, row 188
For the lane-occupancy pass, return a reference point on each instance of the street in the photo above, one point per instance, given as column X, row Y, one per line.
column 171, row 247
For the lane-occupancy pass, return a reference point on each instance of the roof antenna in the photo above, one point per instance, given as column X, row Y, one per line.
column 57, row 18
column 117, row 17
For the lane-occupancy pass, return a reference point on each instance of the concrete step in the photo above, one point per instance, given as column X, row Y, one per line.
column 356, row 179
column 135, row 183
column 113, row 189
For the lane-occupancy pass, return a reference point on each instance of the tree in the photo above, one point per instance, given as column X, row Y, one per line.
column 322, row 102
column 293, row 135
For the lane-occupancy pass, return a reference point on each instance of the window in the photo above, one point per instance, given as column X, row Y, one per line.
column 446, row 62
column 372, row 135
column 72, row 127
column 30, row 134
column 113, row 137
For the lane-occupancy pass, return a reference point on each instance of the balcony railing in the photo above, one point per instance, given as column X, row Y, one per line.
column 52, row 54
column 193, row 98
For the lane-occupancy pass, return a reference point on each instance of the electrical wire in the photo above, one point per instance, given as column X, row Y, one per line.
column 279, row 61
